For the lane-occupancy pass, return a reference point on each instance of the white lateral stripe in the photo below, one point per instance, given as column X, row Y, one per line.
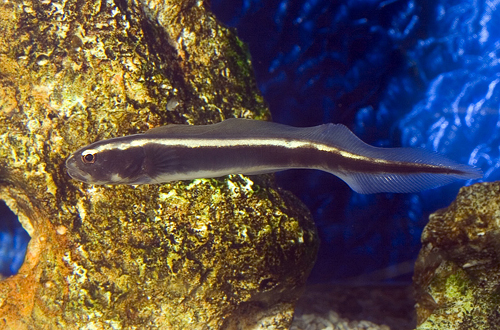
column 206, row 143
column 89, row 152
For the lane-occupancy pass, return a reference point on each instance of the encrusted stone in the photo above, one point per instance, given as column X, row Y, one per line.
column 457, row 274
column 228, row 253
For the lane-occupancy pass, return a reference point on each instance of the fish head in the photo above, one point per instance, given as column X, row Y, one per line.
column 107, row 164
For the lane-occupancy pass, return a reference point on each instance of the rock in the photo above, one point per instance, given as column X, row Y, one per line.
column 229, row 253
column 457, row 274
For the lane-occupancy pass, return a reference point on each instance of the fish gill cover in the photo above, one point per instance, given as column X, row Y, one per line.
column 397, row 72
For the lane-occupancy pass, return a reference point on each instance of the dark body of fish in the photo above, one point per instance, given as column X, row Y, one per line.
column 243, row 146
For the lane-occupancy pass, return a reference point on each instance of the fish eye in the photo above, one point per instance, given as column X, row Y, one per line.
column 88, row 158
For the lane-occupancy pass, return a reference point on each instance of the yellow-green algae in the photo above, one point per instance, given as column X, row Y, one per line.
column 457, row 274
column 207, row 254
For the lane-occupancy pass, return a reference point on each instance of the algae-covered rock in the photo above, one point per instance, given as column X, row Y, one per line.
column 457, row 274
column 227, row 253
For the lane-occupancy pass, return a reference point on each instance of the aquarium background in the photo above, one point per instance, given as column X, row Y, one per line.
column 398, row 73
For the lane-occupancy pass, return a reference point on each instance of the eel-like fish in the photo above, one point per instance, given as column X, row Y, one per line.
column 243, row 146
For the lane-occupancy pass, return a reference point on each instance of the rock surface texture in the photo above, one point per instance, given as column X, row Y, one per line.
column 228, row 253
column 457, row 274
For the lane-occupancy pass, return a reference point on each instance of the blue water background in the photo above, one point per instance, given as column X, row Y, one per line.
column 398, row 73
column 13, row 242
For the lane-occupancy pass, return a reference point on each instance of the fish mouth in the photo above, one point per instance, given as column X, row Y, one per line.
column 74, row 172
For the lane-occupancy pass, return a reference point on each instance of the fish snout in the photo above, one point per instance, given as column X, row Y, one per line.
column 74, row 171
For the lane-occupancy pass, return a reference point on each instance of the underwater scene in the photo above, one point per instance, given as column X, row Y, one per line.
column 236, row 253
column 398, row 73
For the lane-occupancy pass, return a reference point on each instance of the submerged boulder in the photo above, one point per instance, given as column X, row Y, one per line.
column 228, row 253
column 457, row 274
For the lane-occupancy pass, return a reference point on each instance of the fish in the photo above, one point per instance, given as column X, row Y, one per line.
column 245, row 146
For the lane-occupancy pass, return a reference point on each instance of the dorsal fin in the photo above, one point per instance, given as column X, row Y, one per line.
column 228, row 127
column 237, row 127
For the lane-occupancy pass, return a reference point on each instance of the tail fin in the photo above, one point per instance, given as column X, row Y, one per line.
column 412, row 176
column 370, row 183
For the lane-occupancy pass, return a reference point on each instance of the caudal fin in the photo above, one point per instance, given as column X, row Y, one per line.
column 398, row 170
column 369, row 183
